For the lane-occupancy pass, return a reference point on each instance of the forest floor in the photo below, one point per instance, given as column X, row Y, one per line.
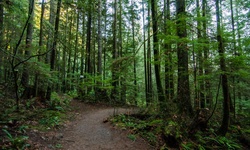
column 76, row 125
column 89, row 129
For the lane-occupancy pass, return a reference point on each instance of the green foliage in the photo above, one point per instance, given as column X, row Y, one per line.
column 146, row 129
column 151, row 137
column 23, row 128
column 86, row 90
column 187, row 146
column 51, row 118
column 73, row 93
column 223, row 142
column 58, row 146
column 173, row 129
column 16, row 142
column 58, row 102
column 152, row 129
column 132, row 137
column 211, row 141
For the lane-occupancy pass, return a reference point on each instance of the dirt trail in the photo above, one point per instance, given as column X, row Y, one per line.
column 88, row 132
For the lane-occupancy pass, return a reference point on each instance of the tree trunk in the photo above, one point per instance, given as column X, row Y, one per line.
column 51, row 31
column 53, row 49
column 99, row 66
column 83, row 42
column 226, row 109
column 105, row 40
column 239, row 54
column 122, row 78
column 114, row 92
column 183, row 95
column 27, row 93
column 149, row 65
column 133, row 47
column 161, row 97
column 200, row 57
column 144, row 53
column 74, row 69
column 69, row 48
column 64, row 61
column 167, row 47
column 88, row 63
column 208, row 94
column 38, row 91
column 99, row 92
column 232, row 106
column 1, row 39
column 196, row 97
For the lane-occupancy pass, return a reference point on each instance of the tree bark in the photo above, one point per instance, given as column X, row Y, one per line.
column 88, row 68
column 133, row 47
column 183, row 95
column 99, row 66
column 88, row 61
column 1, row 38
column 200, row 57
column 83, row 42
column 38, row 90
column 226, row 109
column 167, row 47
column 149, row 65
column 27, row 93
column 69, row 48
column 74, row 69
column 161, row 96
column 144, row 53
column 208, row 94
column 123, row 81
column 53, row 49
column 51, row 30
column 232, row 105
column 114, row 92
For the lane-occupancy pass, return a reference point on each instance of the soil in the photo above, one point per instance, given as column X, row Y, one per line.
column 89, row 130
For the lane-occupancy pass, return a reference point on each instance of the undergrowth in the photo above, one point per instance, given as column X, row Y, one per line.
column 33, row 115
column 170, row 133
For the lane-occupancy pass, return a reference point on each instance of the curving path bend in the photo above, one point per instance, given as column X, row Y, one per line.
column 89, row 132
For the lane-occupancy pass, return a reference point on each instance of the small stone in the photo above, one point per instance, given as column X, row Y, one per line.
column 42, row 137
column 59, row 136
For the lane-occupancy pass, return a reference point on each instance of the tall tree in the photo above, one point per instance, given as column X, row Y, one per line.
column 99, row 66
column 114, row 55
column 226, row 100
column 207, row 71
column 54, row 46
column 133, row 47
column 144, row 52
column 88, row 66
column 1, row 38
column 161, row 96
column 74, row 68
column 168, row 55
column 149, row 65
column 201, row 96
column 70, row 50
column 183, row 93
column 123, row 78
column 26, row 75
column 40, row 49
column 83, row 40
column 232, row 108
column 52, row 18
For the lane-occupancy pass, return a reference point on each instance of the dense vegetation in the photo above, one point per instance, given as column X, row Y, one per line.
column 184, row 62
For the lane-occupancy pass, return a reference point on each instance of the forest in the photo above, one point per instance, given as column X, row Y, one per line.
column 183, row 64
